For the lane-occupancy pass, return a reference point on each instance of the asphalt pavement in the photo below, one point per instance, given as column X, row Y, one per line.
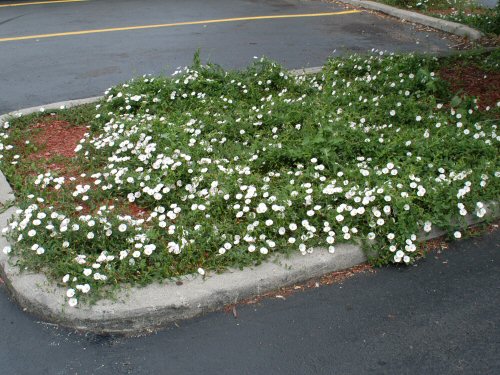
column 439, row 316
column 41, row 70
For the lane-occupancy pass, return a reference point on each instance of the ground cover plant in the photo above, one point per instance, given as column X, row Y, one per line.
column 210, row 169
column 468, row 12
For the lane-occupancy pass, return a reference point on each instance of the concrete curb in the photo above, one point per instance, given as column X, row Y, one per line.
column 59, row 105
column 436, row 23
column 136, row 309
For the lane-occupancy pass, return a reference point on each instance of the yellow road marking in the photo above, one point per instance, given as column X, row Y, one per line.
column 96, row 31
column 40, row 2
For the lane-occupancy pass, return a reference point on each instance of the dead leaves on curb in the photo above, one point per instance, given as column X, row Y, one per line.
column 282, row 293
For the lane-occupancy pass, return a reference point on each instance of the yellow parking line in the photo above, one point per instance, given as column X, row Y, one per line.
column 40, row 2
column 96, row 31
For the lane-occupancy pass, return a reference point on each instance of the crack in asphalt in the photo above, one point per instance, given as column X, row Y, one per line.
column 11, row 19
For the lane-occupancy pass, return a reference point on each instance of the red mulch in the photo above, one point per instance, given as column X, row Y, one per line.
column 473, row 81
column 56, row 138
column 124, row 208
column 59, row 138
column 137, row 211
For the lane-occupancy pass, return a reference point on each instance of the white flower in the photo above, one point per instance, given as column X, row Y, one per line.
column 72, row 302
column 87, row 271
column 457, row 234
column 90, row 235
column 201, row 271
column 85, row 289
column 7, row 250
column 261, row 208
column 263, row 250
column 173, row 248
column 70, row 292
column 65, row 278
column 122, row 227
column 392, row 112
column 331, row 249
column 331, row 189
column 480, row 212
column 148, row 249
column 411, row 248
column 427, row 226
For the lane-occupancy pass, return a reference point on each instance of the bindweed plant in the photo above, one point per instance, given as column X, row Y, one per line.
column 486, row 20
column 467, row 12
column 210, row 169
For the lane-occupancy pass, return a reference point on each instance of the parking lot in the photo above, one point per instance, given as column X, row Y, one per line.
column 58, row 50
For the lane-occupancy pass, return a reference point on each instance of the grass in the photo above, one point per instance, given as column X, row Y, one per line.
column 210, row 169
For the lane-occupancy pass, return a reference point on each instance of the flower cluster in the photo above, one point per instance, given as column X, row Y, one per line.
column 229, row 167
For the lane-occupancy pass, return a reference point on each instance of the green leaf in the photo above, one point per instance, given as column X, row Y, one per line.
column 455, row 102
